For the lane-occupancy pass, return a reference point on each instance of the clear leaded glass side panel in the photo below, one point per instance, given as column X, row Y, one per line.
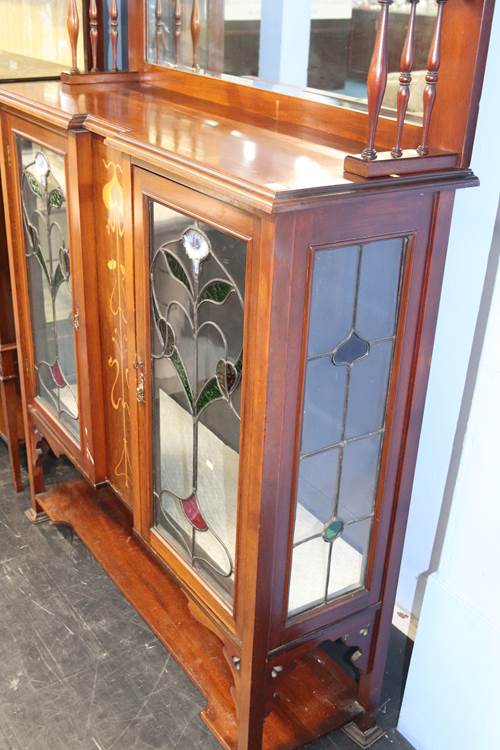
column 353, row 317
column 197, row 282
column 45, row 223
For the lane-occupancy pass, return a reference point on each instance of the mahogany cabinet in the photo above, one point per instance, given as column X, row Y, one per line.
column 226, row 321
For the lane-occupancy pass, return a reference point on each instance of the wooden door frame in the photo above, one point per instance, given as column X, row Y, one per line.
column 87, row 454
column 150, row 187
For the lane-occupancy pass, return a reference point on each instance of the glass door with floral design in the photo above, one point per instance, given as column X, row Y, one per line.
column 43, row 200
column 196, row 275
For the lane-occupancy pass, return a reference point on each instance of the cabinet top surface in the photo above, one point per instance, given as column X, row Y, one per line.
column 261, row 159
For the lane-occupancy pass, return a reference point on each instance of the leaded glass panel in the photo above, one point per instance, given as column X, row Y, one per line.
column 48, row 263
column 197, row 277
column 354, row 309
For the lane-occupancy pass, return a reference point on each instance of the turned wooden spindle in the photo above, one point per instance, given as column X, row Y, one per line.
column 195, row 30
column 94, row 32
column 377, row 78
column 73, row 32
column 433, row 64
column 113, row 34
column 159, row 29
column 177, row 33
column 407, row 60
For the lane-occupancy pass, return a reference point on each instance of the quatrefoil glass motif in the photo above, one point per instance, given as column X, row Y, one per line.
column 197, row 246
column 350, row 350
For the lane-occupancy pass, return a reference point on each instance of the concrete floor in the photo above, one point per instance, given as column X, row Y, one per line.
column 80, row 670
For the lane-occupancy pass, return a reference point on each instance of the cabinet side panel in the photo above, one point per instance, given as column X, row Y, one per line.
column 112, row 273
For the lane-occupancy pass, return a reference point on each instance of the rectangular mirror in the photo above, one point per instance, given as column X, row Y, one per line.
column 34, row 43
column 319, row 49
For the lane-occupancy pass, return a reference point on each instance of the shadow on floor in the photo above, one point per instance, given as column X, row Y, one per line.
column 80, row 670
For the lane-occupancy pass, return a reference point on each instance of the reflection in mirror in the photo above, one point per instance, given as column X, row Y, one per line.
column 34, row 42
column 322, row 47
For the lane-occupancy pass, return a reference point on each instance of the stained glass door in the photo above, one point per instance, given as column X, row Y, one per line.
column 48, row 263
column 197, row 278
column 354, row 311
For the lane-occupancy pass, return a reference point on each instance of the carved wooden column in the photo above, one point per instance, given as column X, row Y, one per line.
column 94, row 32
column 73, row 33
column 113, row 34
column 195, row 30
column 433, row 65
column 407, row 60
column 377, row 78
column 177, row 33
column 159, row 30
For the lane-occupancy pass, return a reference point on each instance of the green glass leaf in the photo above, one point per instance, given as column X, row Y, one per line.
column 228, row 377
column 35, row 186
column 210, row 392
column 56, row 198
column 58, row 279
column 333, row 530
column 178, row 271
column 167, row 337
column 181, row 372
column 216, row 291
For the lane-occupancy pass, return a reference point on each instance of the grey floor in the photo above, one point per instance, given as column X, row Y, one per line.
column 80, row 670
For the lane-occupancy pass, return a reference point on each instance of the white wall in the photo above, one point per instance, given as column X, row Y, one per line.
column 469, row 247
column 452, row 692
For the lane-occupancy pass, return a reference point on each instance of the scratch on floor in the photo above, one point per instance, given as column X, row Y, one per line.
column 43, row 608
column 143, row 706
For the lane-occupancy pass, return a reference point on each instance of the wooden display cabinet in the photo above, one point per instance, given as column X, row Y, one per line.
column 234, row 331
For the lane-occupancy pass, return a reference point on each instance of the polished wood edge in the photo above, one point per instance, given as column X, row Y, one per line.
column 312, row 699
column 238, row 192
column 86, row 79
column 410, row 163
column 20, row 105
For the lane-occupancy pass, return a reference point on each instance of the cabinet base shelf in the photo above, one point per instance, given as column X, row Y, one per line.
column 315, row 698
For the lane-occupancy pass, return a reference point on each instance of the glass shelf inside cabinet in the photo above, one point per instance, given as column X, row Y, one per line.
column 45, row 223
column 197, row 277
column 347, row 370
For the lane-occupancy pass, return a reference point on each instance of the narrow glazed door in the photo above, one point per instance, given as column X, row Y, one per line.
column 193, row 335
column 44, row 215
column 355, row 288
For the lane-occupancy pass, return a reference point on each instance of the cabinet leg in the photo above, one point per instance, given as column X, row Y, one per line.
column 364, row 730
column 35, row 453
column 10, row 401
column 252, row 697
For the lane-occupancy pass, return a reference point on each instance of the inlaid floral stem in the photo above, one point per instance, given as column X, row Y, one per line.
column 406, row 64
column 433, row 65
column 377, row 78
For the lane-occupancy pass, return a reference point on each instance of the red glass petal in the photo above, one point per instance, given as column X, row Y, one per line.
column 193, row 513
column 57, row 375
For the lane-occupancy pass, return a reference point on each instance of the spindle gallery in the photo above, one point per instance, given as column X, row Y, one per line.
column 243, row 261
